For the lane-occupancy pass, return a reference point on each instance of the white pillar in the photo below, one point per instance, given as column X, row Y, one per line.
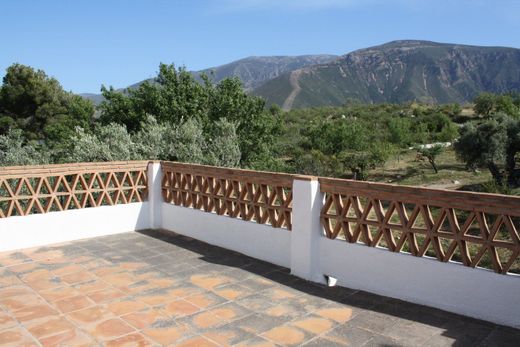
column 155, row 194
column 306, row 229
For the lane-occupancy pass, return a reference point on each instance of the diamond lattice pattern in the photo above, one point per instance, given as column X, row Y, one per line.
column 231, row 193
column 62, row 188
column 469, row 236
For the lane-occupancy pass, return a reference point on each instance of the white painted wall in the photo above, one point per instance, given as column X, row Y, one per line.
column 452, row 287
column 55, row 227
column 256, row 240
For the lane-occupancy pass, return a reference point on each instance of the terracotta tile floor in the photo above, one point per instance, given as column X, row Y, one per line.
column 158, row 288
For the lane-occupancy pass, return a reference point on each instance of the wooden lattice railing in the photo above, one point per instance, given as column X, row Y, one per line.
column 472, row 228
column 261, row 197
column 28, row 190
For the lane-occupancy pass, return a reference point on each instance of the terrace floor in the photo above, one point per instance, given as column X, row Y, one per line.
column 158, row 288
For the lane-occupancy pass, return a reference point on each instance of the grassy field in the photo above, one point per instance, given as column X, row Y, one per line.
column 406, row 170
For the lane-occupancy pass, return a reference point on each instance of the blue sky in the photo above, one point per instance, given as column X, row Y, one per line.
column 88, row 43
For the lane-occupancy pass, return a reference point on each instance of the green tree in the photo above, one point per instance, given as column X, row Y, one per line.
column 155, row 141
column 359, row 162
column 172, row 97
column 439, row 127
column 505, row 104
column 487, row 104
column 108, row 143
column 420, row 132
column 333, row 137
column 484, row 104
column 176, row 98
column 400, row 132
column 223, row 148
column 37, row 104
column 346, row 143
column 494, row 144
column 512, row 149
column 484, row 145
column 452, row 110
column 189, row 142
column 314, row 162
column 256, row 127
column 119, row 108
column 15, row 151
column 431, row 153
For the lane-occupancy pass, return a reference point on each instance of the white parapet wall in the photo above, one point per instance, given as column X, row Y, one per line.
column 256, row 240
column 477, row 293
column 55, row 227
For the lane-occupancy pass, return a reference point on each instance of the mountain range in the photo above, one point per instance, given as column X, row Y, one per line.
column 398, row 71
column 252, row 71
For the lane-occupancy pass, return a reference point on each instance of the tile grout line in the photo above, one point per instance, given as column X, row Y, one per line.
column 62, row 315
column 18, row 324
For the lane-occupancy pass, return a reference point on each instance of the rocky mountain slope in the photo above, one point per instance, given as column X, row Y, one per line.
column 399, row 71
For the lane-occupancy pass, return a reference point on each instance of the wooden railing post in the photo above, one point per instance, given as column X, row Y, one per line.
column 306, row 231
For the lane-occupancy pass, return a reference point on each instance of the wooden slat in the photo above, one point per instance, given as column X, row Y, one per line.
column 68, row 169
column 263, row 177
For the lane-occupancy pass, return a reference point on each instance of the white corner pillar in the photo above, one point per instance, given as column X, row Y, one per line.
column 155, row 194
column 306, row 229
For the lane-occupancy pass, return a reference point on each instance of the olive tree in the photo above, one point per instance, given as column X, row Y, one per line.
column 484, row 145
column 108, row 143
column 14, row 150
column 431, row 153
column 176, row 99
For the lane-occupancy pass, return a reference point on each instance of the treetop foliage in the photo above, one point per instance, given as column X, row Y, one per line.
column 14, row 150
column 487, row 104
column 492, row 144
column 175, row 97
column 38, row 105
column 175, row 117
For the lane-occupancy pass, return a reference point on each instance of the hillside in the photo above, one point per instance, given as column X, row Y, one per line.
column 96, row 98
column 252, row 71
column 399, row 71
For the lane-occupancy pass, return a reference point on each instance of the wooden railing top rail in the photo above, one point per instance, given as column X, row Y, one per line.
column 493, row 203
column 70, row 168
column 246, row 176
